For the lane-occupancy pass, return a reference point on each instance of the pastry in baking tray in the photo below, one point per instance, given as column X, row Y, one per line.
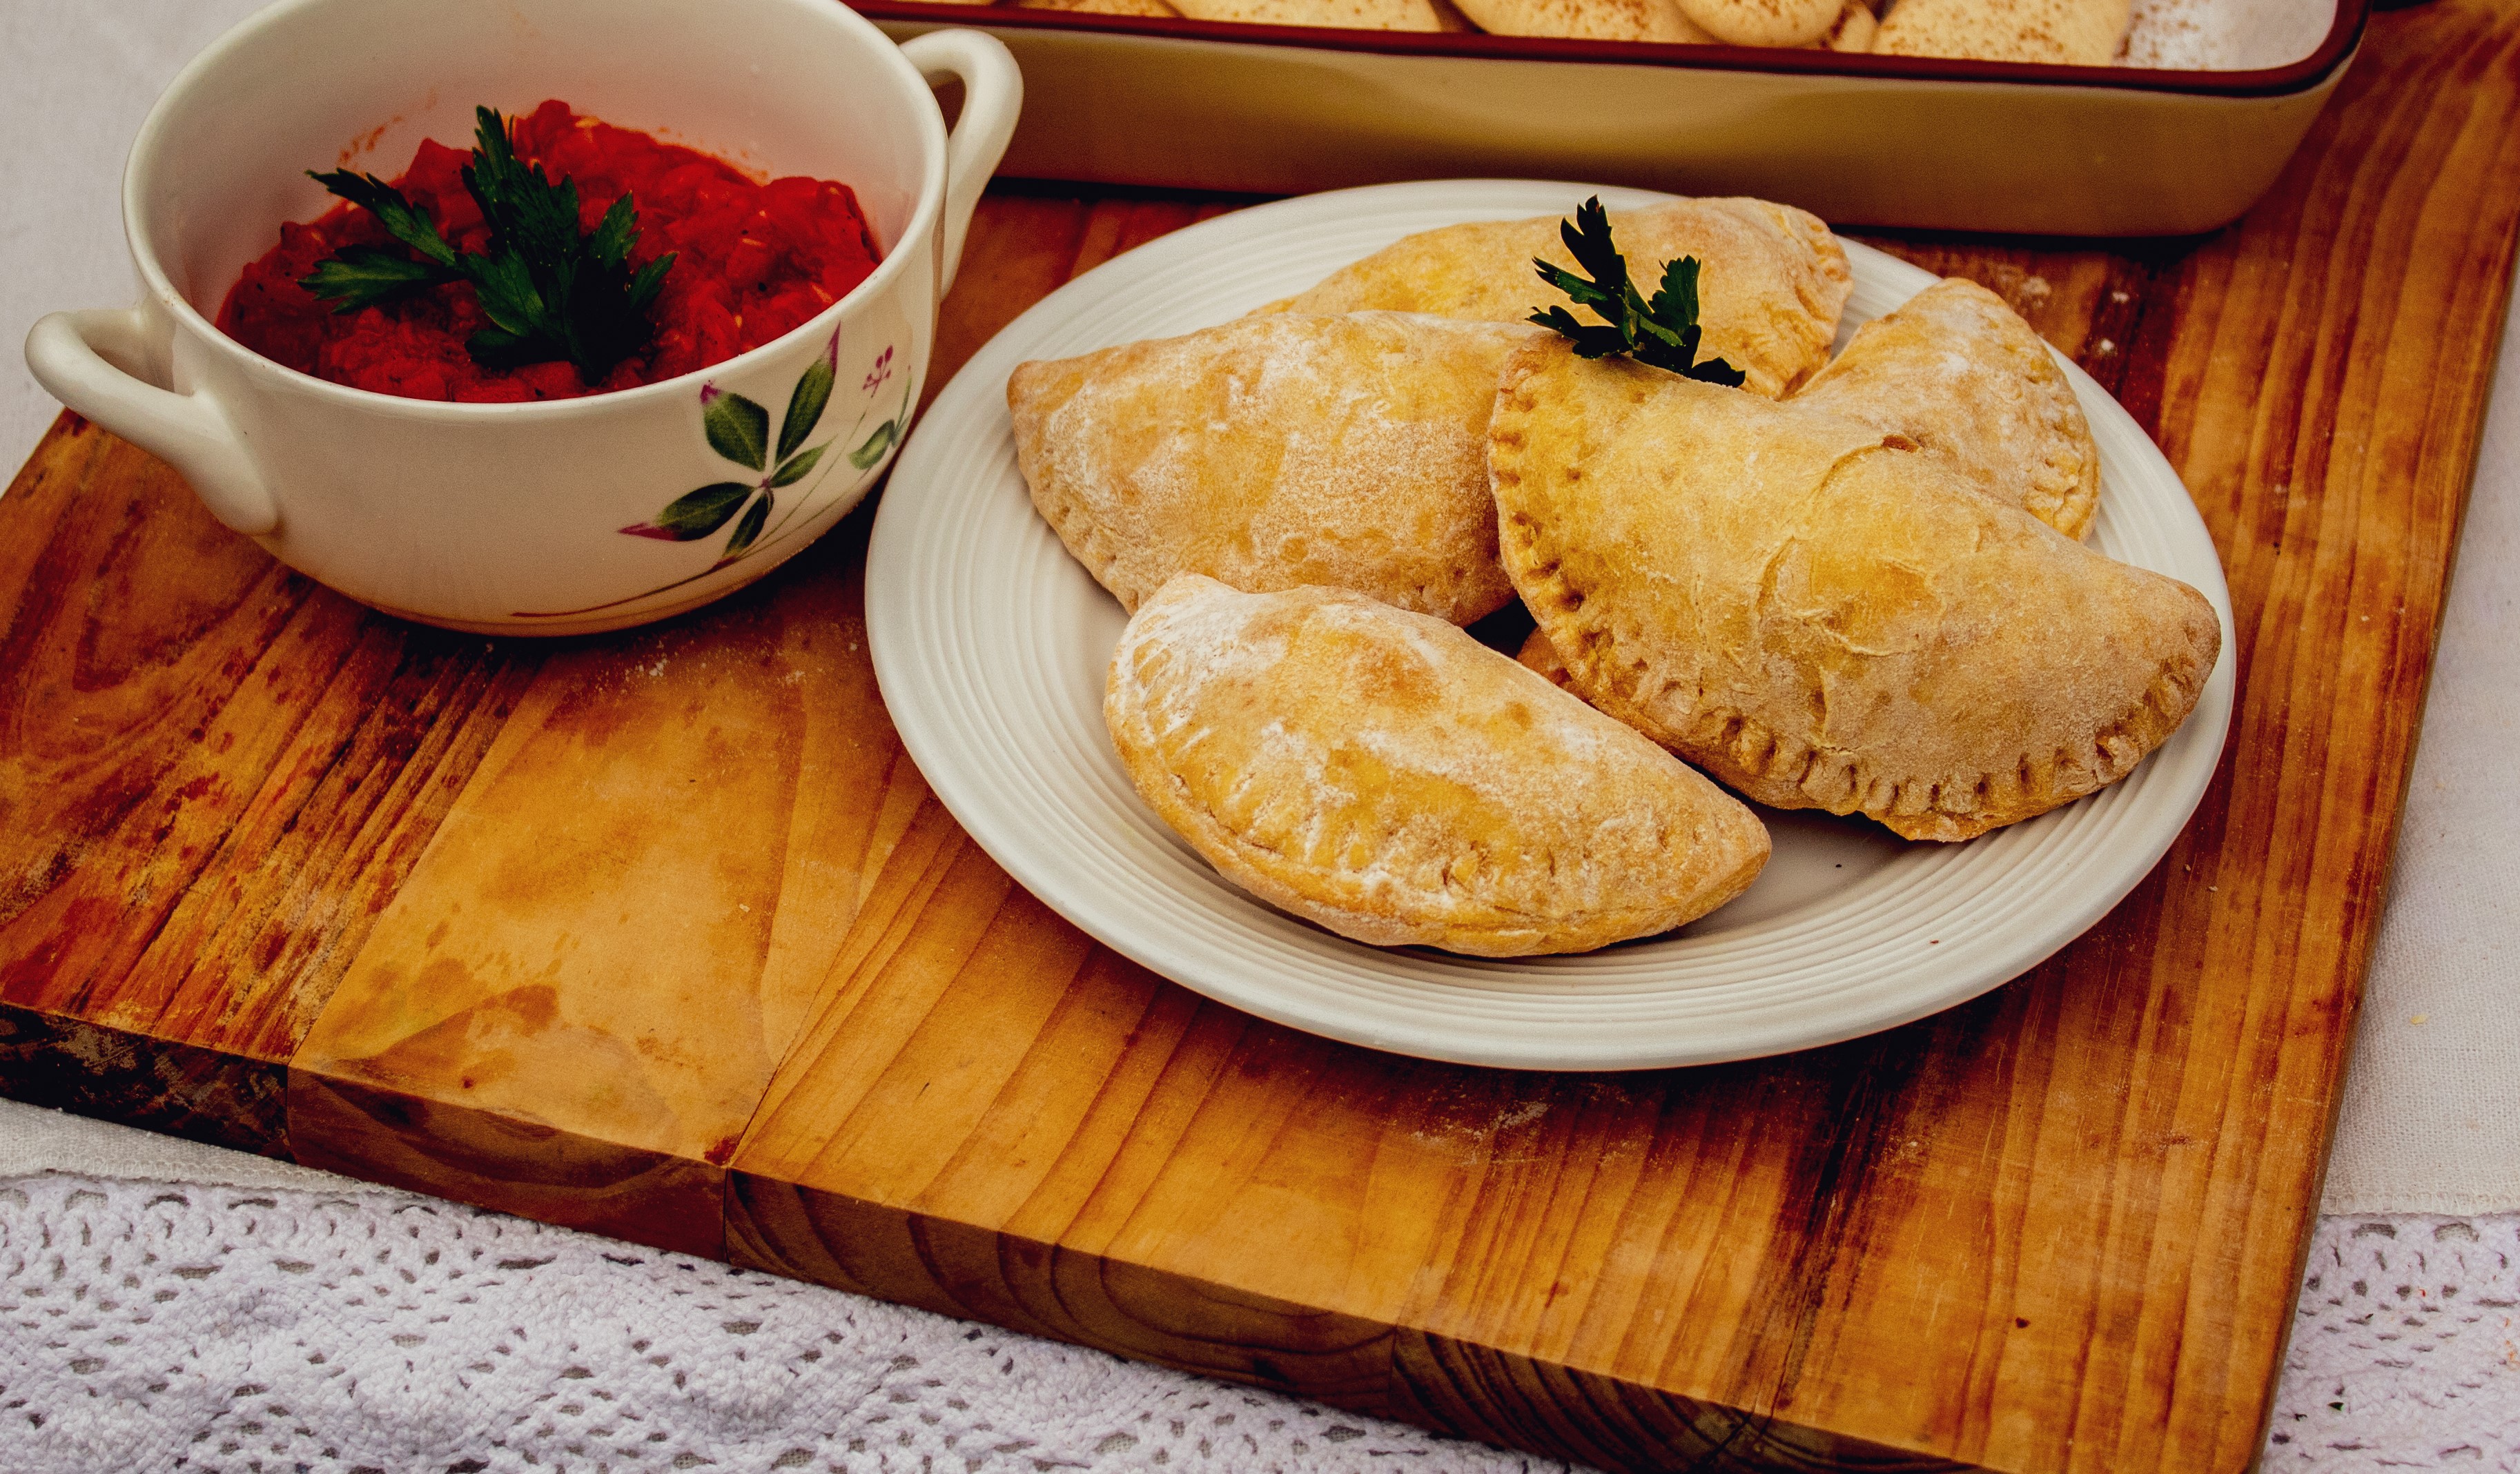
column 2076, row 32
column 1355, row 15
column 1853, row 29
column 1386, row 776
column 1772, row 278
column 1276, row 451
column 1104, row 7
column 1586, row 20
column 1764, row 23
column 1958, row 372
column 1821, row 615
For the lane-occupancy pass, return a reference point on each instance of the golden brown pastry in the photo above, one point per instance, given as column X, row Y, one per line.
column 1853, row 29
column 1276, row 451
column 1771, row 283
column 1540, row 657
column 1386, row 776
column 1352, row 15
column 2075, row 32
column 1821, row 615
column 1959, row 372
column 1587, row 20
column 1764, row 23
column 1104, row 7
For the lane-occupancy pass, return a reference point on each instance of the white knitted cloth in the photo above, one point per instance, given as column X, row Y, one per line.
column 150, row 1326
column 2405, row 1347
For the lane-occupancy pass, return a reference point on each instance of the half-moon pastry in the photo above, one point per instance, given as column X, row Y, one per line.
column 1772, row 279
column 1104, row 7
column 1819, row 615
column 1276, row 451
column 1386, row 776
column 1958, row 372
column 2076, row 32
column 1853, row 31
column 1587, row 20
column 1355, row 15
column 1764, row 23
column 1540, row 657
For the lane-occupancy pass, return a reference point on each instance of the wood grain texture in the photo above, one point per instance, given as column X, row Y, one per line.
column 2058, row 1227
column 660, row 933
column 573, row 1005
column 674, row 824
column 211, row 774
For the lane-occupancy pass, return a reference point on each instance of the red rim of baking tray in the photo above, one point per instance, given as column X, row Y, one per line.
column 2272, row 81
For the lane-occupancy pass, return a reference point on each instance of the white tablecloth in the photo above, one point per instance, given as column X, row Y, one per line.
column 2390, row 1361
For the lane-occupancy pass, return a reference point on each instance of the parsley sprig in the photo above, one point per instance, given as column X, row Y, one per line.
column 549, row 291
column 1661, row 331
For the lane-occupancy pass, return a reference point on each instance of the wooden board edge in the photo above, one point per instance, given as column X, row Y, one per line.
column 1473, row 1391
column 2500, row 276
column 1041, row 1289
column 497, row 1161
column 1449, row 1386
column 134, row 1079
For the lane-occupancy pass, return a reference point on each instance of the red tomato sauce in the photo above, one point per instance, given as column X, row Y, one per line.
column 753, row 261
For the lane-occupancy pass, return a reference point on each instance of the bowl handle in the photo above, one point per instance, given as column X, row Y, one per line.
column 190, row 431
column 992, row 96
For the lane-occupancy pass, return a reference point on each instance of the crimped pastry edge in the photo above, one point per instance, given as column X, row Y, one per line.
column 1748, row 756
column 2073, row 499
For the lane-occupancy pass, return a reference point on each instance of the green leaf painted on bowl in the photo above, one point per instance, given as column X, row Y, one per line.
column 865, row 456
column 805, row 405
column 747, row 529
column 739, row 430
column 736, row 428
column 794, row 468
column 694, row 514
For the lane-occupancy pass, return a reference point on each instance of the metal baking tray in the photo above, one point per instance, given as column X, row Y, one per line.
column 1858, row 139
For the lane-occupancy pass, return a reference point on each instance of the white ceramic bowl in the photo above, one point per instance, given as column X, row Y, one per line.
column 514, row 517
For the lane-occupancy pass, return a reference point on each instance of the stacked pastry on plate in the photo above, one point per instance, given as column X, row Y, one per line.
column 2079, row 32
column 1854, row 585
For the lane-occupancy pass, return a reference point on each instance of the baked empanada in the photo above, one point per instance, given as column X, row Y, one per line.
column 1771, row 280
column 1764, row 23
column 1273, row 452
column 1958, row 372
column 1347, row 15
column 1540, row 657
column 2076, row 32
column 1104, row 7
column 1853, row 31
column 1386, row 776
column 1587, row 20
column 1821, row 615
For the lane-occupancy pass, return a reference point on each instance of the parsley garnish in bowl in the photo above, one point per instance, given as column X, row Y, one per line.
column 551, row 291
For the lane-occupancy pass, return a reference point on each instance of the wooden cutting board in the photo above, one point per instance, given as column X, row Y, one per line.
column 659, row 934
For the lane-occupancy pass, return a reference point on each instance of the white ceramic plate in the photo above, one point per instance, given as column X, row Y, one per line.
column 990, row 644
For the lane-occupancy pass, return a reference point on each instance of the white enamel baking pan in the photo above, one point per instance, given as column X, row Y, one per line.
column 1858, row 138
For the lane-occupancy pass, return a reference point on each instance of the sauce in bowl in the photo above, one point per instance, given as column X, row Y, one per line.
column 753, row 261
